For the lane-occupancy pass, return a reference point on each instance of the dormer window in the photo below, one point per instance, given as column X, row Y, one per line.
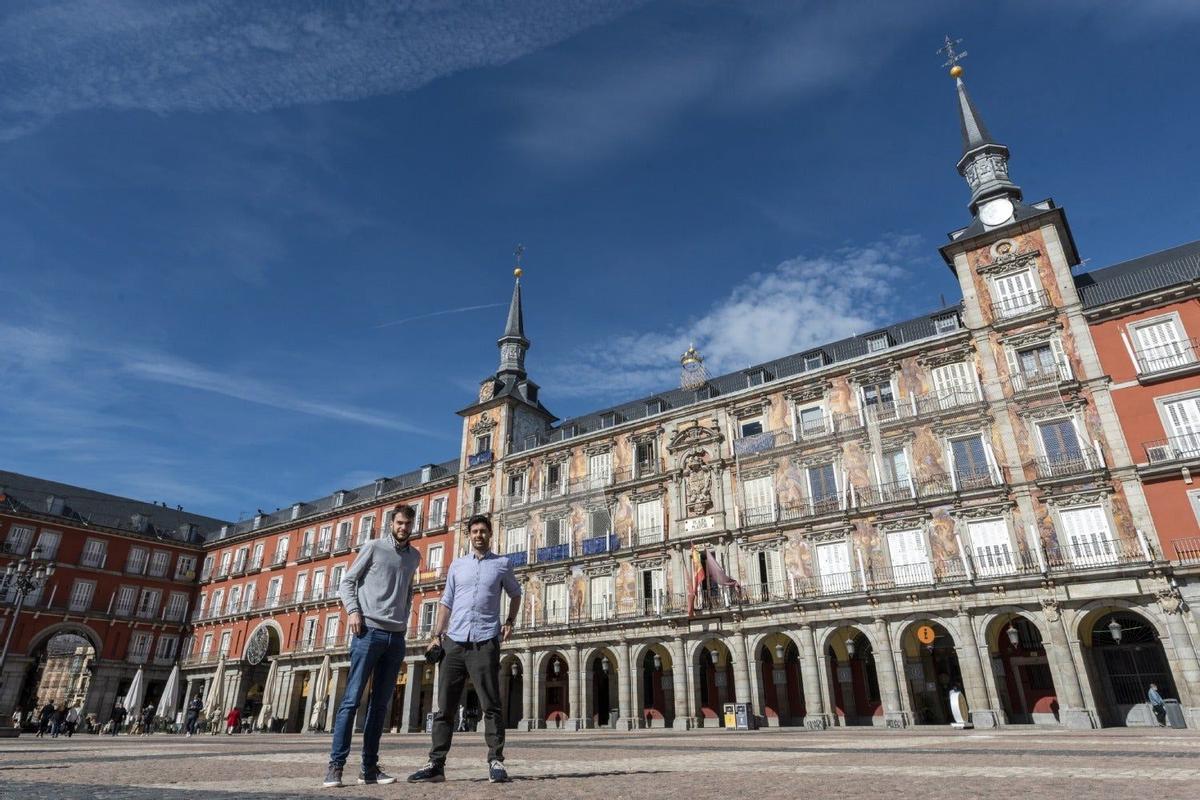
column 814, row 360
column 655, row 406
column 877, row 342
column 258, row 518
column 608, row 419
column 338, row 499
column 756, row 377
column 296, row 510
column 945, row 324
column 483, row 443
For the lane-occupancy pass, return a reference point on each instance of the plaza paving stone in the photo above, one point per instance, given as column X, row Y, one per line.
column 851, row 763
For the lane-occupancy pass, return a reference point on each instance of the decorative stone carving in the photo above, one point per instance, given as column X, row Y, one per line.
column 558, row 457
column 602, row 570
column 516, row 520
column 876, row 374
column 483, row 425
column 901, row 523
column 835, row 535
column 1052, row 410
column 1009, row 262
column 809, row 392
column 1050, row 609
column 821, row 456
column 597, row 448
column 697, row 483
column 760, row 470
column 961, row 352
column 770, row 543
column 641, row 437
column 982, row 512
column 1084, row 498
column 516, row 468
column 648, row 493
column 962, row 428
column 1036, row 336
column 750, row 409
column 694, row 436
column 650, row 561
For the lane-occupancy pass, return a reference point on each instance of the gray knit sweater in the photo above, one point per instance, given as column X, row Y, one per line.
column 379, row 583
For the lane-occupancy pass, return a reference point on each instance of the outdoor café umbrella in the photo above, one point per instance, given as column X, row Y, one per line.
column 264, row 713
column 216, row 693
column 170, row 696
column 136, row 693
column 321, row 686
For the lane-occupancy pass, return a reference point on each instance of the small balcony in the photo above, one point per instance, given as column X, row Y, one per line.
column 1187, row 551
column 1173, row 449
column 652, row 534
column 554, row 552
column 255, row 565
column 1067, row 465
column 946, row 401
column 519, row 558
column 596, row 545
column 479, row 459
column 759, row 515
column 763, row 442
column 342, row 543
column 279, row 560
column 1020, row 307
column 812, row 507
column 969, row 479
column 887, row 494
column 430, row 575
column 1040, row 380
column 1167, row 360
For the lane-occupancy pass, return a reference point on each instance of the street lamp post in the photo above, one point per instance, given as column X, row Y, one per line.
column 22, row 578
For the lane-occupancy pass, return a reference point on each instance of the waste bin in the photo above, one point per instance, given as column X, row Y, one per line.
column 730, row 712
column 744, row 717
column 429, row 723
column 1175, row 718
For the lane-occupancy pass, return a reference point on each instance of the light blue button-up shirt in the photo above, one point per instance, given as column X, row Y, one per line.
column 472, row 594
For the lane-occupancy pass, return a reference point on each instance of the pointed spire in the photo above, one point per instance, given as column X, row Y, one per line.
column 513, row 343
column 974, row 132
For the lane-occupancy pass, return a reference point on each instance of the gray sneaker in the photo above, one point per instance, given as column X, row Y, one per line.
column 333, row 777
column 373, row 775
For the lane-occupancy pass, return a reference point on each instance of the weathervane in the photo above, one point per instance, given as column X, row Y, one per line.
column 952, row 56
column 518, row 251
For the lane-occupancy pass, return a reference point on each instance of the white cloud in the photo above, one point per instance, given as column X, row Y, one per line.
column 204, row 55
column 800, row 303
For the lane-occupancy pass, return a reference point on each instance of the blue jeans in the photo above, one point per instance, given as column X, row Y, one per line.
column 376, row 655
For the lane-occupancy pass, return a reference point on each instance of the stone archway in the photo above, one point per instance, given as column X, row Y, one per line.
column 655, row 692
column 602, row 689
column 61, row 669
column 854, row 689
column 712, row 662
column 931, row 671
column 1022, row 670
column 555, row 682
column 263, row 646
column 781, row 687
column 512, row 691
column 1124, row 654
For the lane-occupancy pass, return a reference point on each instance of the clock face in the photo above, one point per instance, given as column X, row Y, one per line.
column 996, row 212
column 257, row 650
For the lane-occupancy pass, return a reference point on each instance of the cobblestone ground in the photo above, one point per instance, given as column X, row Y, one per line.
column 854, row 763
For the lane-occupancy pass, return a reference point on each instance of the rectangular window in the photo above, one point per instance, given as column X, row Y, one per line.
column 240, row 558
column 434, row 558
column 325, row 540
column 877, row 343
column 1160, row 345
column 47, row 545
column 483, row 443
column 165, row 650
column 1088, row 538
column 226, row 562
column 206, row 645
column 516, row 486
column 599, row 523
column 652, row 590
column 954, row 385
column 366, row 529
column 126, row 599
column 894, row 465
column 281, row 550
column 332, row 624
column 82, row 593
column 310, row 632
column 274, row 588
column 644, row 456
column 1016, row 294
column 600, row 469
column 135, row 562
column 971, row 466
column 148, row 603
column 812, row 422
column 185, row 568
column 235, row 599
column 1060, row 443
column 335, row 578
column 218, row 602
column 515, row 540
column 301, row 586
column 1183, row 424
column 554, row 608
column 437, row 512
column 1040, row 366
column 877, row 400
column 650, row 521
column 991, row 546
column 554, row 532
column 601, row 594
column 428, row 616
column 814, row 361
column 945, row 324
column 768, row 567
column 318, row 585
column 554, row 478
column 176, row 606
column 309, row 548
column 822, row 487
column 18, row 540
column 139, row 647
column 910, row 560
column 750, row 427
column 226, row 636
column 160, row 562
column 342, row 542
column 833, row 562
column 256, row 557
column 759, row 498
column 95, row 553
column 248, row 593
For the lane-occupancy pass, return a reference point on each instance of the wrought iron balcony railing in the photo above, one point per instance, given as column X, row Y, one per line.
column 1173, row 448
column 1066, row 465
column 1166, row 357
column 1020, row 305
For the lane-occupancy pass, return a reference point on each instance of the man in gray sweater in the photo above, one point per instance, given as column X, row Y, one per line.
column 377, row 594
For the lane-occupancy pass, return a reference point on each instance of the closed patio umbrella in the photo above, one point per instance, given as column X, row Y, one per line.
column 320, row 690
column 170, row 696
column 264, row 714
column 136, row 694
column 215, row 701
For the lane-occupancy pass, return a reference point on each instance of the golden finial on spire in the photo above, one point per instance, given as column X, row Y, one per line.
column 953, row 56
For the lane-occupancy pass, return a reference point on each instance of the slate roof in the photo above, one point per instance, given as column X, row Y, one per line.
column 852, row 347
column 323, row 505
column 24, row 493
column 1149, row 273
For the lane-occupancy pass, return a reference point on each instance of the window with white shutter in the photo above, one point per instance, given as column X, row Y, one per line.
column 1088, row 538
column 833, row 562
column 991, row 546
column 1183, row 422
column 82, row 593
column 910, row 560
column 954, row 384
column 19, row 538
column 822, row 486
column 1161, row 345
column 47, row 545
column 127, row 598
column 1016, row 294
column 812, row 422
column 515, row 540
column 301, row 586
column 160, row 562
column 95, row 552
column 599, row 469
column 650, row 521
column 1060, row 443
column 971, row 464
column 554, row 609
column 759, row 500
column 601, row 596
column 135, row 562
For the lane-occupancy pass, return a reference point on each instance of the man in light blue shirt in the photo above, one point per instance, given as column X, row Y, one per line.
column 470, row 632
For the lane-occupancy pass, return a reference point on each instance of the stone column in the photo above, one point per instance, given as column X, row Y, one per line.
column 741, row 668
column 575, row 721
column 680, row 692
column 812, row 675
column 529, row 721
column 1187, row 668
column 982, row 714
column 308, row 704
column 627, row 721
column 415, row 670
column 754, row 675
column 885, row 668
column 1073, row 712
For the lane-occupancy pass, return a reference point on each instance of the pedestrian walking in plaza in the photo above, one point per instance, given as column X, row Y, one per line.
column 470, row 633
column 72, row 718
column 58, row 719
column 44, row 719
column 377, row 594
column 193, row 715
column 1157, row 705
column 232, row 720
column 148, row 720
column 17, row 718
column 117, row 718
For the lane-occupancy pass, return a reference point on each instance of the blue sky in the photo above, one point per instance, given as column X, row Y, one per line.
column 211, row 212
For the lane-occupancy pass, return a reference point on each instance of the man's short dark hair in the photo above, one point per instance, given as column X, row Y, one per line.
column 481, row 519
column 404, row 510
